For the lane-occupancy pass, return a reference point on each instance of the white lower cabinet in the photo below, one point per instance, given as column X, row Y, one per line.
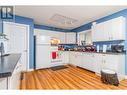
column 97, row 61
column 78, row 59
column 64, row 56
column 3, row 83
column 72, row 58
column 12, row 82
column 88, row 61
column 75, row 58
column 112, row 62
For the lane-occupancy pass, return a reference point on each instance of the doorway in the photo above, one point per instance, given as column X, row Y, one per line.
column 18, row 35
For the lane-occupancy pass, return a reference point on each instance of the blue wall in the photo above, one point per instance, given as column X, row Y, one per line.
column 109, row 43
column 30, row 22
column 50, row 28
column 88, row 26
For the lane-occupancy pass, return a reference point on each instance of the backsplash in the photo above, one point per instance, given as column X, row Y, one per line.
column 109, row 43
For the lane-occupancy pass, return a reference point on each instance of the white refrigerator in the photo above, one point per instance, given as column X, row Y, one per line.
column 42, row 51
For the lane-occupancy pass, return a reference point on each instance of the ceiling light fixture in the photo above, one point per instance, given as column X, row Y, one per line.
column 63, row 19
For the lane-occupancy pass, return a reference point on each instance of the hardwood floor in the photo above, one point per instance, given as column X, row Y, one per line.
column 72, row 78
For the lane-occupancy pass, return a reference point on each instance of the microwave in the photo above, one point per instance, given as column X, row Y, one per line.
column 117, row 48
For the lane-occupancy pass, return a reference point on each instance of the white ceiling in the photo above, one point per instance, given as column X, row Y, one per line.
column 82, row 14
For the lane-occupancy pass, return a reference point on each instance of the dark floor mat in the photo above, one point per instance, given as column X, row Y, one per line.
column 58, row 67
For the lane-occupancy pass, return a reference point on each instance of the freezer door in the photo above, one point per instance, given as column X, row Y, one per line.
column 43, row 39
column 43, row 58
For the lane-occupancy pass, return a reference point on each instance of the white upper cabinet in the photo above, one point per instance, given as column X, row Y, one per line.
column 70, row 38
column 113, row 29
column 85, row 36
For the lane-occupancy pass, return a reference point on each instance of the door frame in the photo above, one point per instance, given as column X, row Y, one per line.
column 28, row 41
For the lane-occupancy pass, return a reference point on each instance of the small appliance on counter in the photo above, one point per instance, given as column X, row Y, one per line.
column 67, row 47
column 104, row 48
column 90, row 48
column 55, row 41
column 98, row 48
column 117, row 48
column 83, row 43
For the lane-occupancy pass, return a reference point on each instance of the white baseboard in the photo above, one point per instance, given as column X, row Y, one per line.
column 126, row 77
column 30, row 70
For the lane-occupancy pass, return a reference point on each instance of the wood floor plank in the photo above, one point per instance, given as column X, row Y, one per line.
column 23, row 82
column 37, row 82
column 71, row 78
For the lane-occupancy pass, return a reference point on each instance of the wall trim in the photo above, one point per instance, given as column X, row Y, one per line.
column 125, row 76
column 36, row 26
column 30, row 70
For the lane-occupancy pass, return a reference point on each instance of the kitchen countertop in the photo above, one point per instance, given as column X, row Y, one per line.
column 113, row 53
column 8, row 64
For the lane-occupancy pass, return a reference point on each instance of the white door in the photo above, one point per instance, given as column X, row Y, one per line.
column 18, row 41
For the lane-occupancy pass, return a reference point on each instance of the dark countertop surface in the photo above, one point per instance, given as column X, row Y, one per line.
column 100, row 52
column 8, row 64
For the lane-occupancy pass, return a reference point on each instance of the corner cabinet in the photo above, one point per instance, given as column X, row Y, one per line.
column 113, row 29
column 64, row 57
column 75, row 58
